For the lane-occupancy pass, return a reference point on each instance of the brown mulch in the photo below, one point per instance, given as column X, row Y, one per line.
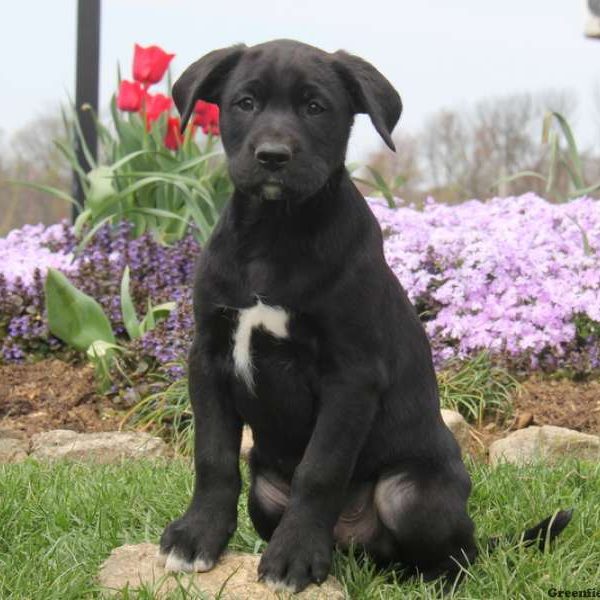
column 565, row 403
column 52, row 394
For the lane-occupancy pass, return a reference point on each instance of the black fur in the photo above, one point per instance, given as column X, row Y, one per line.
column 346, row 408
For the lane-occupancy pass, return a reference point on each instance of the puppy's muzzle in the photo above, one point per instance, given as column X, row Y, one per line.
column 272, row 155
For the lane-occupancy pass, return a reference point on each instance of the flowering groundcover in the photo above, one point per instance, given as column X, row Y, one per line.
column 159, row 272
column 517, row 276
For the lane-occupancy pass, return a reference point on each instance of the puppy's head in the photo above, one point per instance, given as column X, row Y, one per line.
column 286, row 110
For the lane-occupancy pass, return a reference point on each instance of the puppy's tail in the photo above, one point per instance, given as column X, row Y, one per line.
column 540, row 535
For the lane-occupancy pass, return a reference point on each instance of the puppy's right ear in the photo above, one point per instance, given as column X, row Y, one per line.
column 204, row 80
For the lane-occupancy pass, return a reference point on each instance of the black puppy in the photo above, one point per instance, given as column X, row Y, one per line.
column 304, row 333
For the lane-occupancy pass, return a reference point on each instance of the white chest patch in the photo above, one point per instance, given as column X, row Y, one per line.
column 273, row 319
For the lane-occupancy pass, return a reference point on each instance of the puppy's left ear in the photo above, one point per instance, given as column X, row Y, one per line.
column 370, row 93
column 204, row 80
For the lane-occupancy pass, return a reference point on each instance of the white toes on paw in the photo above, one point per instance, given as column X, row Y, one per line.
column 201, row 565
column 279, row 586
column 176, row 564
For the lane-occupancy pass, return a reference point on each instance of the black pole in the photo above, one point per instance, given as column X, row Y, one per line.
column 86, row 85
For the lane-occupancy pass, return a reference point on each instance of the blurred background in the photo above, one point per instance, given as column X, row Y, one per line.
column 476, row 79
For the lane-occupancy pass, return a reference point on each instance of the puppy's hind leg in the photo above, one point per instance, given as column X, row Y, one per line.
column 267, row 501
column 427, row 516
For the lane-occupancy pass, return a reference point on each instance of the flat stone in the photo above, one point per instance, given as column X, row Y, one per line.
column 548, row 444
column 14, row 446
column 457, row 424
column 234, row 577
column 103, row 447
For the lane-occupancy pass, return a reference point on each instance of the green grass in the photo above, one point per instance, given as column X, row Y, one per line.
column 166, row 413
column 59, row 522
column 476, row 388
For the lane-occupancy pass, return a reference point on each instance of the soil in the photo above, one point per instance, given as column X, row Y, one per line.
column 565, row 403
column 52, row 394
column 542, row 401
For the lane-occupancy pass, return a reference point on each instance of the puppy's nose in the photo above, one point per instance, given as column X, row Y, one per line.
column 272, row 155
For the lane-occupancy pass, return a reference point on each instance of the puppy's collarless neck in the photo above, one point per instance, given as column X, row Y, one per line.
column 249, row 210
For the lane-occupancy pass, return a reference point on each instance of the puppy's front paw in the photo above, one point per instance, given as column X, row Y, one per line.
column 295, row 559
column 190, row 545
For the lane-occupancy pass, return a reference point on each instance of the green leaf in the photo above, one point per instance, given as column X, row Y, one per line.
column 101, row 349
column 575, row 158
column 554, row 147
column 84, row 147
column 383, row 187
column 102, row 191
column 156, row 314
column 81, row 220
column 585, row 191
column 46, row 189
column 156, row 212
column 518, row 175
column 587, row 248
column 148, row 322
column 118, row 164
column 69, row 154
column 193, row 162
column 90, row 234
column 161, row 311
column 74, row 317
column 130, row 319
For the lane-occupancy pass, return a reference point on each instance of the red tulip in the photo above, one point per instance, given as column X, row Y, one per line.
column 130, row 96
column 156, row 105
column 173, row 136
column 207, row 117
column 150, row 64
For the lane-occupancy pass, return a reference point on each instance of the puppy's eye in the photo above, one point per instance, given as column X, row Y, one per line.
column 314, row 108
column 246, row 104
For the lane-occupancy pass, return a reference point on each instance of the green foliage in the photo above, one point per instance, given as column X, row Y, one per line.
column 74, row 317
column 586, row 327
column 133, row 326
column 568, row 159
column 138, row 179
column 155, row 188
column 382, row 187
column 103, row 356
column 167, row 413
column 79, row 321
column 476, row 387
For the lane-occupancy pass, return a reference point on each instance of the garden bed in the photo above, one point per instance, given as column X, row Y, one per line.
column 496, row 307
column 565, row 403
column 53, row 394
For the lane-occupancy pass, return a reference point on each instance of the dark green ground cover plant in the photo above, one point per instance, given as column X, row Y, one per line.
column 61, row 520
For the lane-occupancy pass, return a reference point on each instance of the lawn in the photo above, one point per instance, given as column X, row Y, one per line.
column 60, row 521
